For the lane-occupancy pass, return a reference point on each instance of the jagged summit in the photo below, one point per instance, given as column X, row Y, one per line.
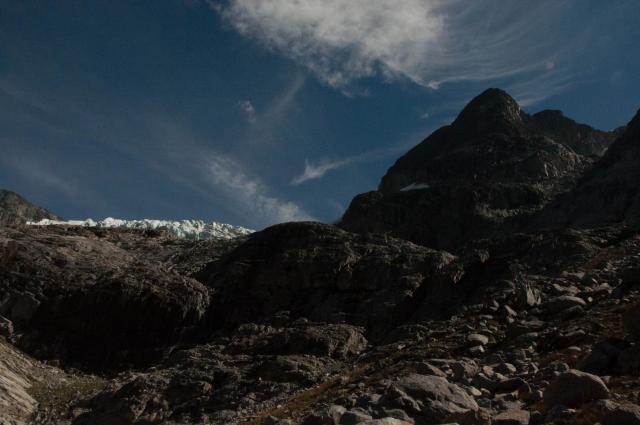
column 493, row 139
column 492, row 110
column 14, row 210
column 582, row 138
column 608, row 193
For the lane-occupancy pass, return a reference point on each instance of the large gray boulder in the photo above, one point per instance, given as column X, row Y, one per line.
column 613, row 413
column 574, row 388
column 433, row 399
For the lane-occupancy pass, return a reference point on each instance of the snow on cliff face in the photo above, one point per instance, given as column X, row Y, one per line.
column 414, row 186
column 189, row 229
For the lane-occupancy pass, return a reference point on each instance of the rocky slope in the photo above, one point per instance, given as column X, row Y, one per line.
column 16, row 210
column 311, row 324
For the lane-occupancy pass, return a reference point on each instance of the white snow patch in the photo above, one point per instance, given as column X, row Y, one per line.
column 188, row 229
column 415, row 186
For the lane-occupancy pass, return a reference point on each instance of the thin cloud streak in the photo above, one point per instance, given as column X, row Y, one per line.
column 318, row 169
column 38, row 173
column 251, row 194
column 218, row 176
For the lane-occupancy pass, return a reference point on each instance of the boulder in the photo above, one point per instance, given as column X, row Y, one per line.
column 612, row 413
column 477, row 339
column 512, row 417
column 432, row 398
column 563, row 302
column 574, row 388
column 603, row 357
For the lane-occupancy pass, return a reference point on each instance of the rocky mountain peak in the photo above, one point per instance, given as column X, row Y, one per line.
column 581, row 138
column 15, row 210
column 492, row 110
column 494, row 166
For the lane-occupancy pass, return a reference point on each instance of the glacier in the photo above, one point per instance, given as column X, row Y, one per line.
column 188, row 229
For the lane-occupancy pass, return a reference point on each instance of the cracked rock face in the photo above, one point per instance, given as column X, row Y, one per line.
column 325, row 274
column 608, row 193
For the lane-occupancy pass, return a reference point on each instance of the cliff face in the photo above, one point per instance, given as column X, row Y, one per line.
column 608, row 193
column 16, row 210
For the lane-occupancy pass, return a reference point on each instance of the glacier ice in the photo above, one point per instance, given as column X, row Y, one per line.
column 188, row 229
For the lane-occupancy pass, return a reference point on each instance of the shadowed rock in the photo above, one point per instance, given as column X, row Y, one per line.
column 488, row 171
column 15, row 210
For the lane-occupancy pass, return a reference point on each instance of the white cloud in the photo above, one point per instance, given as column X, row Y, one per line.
column 251, row 195
column 319, row 169
column 249, row 110
column 430, row 42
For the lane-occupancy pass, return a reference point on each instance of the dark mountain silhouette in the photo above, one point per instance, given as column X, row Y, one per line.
column 494, row 166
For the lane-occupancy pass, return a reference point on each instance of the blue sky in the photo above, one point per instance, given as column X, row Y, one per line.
column 255, row 112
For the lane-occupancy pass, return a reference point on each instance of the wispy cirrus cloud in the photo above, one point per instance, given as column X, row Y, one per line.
column 39, row 174
column 223, row 178
column 430, row 42
column 251, row 194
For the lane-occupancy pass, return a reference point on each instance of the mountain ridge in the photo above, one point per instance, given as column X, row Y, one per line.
column 494, row 167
